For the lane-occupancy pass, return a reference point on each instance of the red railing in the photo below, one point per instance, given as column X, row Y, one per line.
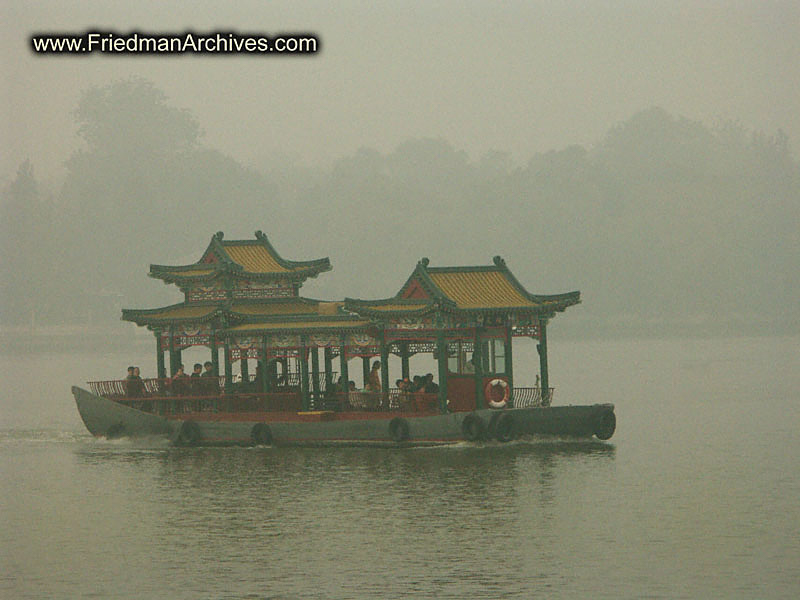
column 531, row 396
column 139, row 388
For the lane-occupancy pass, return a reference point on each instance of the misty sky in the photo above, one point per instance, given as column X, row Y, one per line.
column 521, row 77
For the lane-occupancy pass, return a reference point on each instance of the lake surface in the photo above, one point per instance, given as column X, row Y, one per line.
column 696, row 496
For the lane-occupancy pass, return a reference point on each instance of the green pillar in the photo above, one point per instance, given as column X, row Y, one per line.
column 245, row 370
column 214, row 354
column 228, row 366
column 344, row 369
column 365, row 368
column 542, row 348
column 304, row 374
column 384, row 370
column 160, row 368
column 477, row 361
column 441, row 350
column 509, row 364
column 328, row 356
column 264, row 362
column 405, row 371
column 315, row 372
column 174, row 354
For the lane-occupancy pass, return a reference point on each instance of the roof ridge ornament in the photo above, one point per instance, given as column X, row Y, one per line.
column 498, row 260
column 219, row 235
column 424, row 261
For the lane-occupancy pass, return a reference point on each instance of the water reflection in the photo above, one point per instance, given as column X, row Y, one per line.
column 443, row 521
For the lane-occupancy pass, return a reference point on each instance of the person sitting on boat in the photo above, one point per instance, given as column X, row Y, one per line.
column 180, row 382
column 404, row 394
column 257, row 385
column 469, row 366
column 430, row 386
column 416, row 384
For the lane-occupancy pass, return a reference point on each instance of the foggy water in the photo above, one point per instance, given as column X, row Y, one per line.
column 696, row 496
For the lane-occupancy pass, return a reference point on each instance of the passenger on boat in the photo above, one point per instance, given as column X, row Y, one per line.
column 403, row 394
column 257, row 385
column 469, row 366
column 374, row 379
column 180, row 384
column 134, row 386
column 430, row 385
column 210, row 384
column 417, row 384
column 195, row 383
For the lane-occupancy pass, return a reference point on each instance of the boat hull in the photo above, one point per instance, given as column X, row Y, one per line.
column 106, row 418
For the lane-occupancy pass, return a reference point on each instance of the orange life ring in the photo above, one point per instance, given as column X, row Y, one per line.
column 488, row 393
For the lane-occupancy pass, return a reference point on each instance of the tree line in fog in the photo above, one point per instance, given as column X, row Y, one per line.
column 665, row 221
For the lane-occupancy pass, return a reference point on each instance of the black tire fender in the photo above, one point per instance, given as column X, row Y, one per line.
column 605, row 425
column 189, row 434
column 473, row 428
column 261, row 434
column 505, row 428
column 399, row 430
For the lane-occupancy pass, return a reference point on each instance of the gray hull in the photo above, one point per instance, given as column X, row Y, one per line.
column 107, row 418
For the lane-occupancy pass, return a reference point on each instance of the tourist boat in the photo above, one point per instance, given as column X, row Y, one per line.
column 243, row 298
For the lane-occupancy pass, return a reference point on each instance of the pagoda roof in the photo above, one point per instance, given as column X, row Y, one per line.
column 491, row 288
column 238, row 310
column 247, row 259
column 174, row 314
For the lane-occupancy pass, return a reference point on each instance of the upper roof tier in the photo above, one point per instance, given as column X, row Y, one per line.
column 483, row 289
column 243, row 259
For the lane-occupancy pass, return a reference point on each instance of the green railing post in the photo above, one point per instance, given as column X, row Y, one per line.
column 441, row 349
column 344, row 368
column 384, row 371
column 214, row 355
column 160, row 368
column 304, row 374
column 264, row 363
column 327, row 355
column 315, row 373
column 542, row 348
column 365, row 369
column 477, row 362
column 509, row 364
column 228, row 366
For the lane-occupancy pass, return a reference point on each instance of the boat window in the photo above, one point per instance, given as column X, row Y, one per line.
column 493, row 356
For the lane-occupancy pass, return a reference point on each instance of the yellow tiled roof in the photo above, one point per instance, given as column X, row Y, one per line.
column 299, row 325
column 479, row 289
column 328, row 308
column 254, row 258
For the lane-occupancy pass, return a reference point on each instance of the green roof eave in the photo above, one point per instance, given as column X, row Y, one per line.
column 149, row 316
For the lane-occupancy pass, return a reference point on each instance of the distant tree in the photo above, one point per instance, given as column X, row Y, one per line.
column 27, row 249
column 144, row 190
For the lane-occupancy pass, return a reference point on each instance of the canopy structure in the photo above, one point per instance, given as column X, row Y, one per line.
column 243, row 297
column 240, row 269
